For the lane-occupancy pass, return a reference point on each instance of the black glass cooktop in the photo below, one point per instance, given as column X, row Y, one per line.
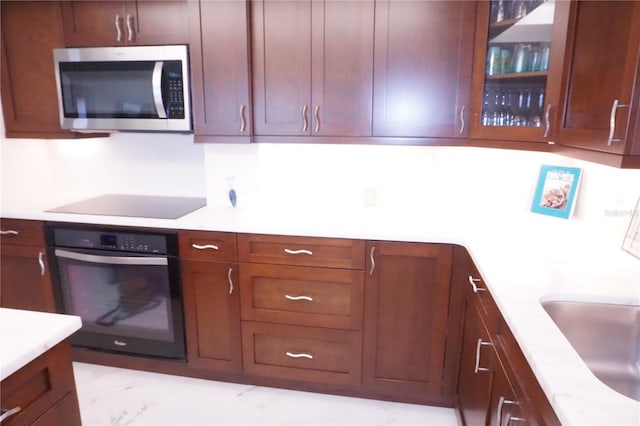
column 151, row 206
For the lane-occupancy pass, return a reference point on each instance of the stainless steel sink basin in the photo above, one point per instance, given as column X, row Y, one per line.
column 607, row 338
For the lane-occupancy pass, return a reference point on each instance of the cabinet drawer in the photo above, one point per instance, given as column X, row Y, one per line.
column 300, row 295
column 38, row 386
column 203, row 245
column 22, row 232
column 301, row 251
column 302, row 353
column 479, row 292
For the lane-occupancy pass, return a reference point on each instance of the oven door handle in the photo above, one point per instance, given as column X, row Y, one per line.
column 112, row 260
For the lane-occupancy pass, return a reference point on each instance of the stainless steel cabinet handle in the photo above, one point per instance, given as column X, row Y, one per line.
column 307, row 298
column 243, row 120
column 316, row 114
column 41, row 263
column 129, row 20
column 118, row 30
column 9, row 232
column 305, row 122
column 230, row 280
column 295, row 355
column 112, row 260
column 307, row 252
column 8, row 413
column 612, row 122
column 462, row 123
column 477, row 367
column 501, row 403
column 547, row 119
column 205, row 246
column 373, row 260
column 473, row 282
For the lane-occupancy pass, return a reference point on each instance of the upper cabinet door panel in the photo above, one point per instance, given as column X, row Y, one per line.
column 220, row 68
column 282, row 67
column 342, row 67
column 423, row 59
column 94, row 23
column 113, row 23
column 158, row 22
column 601, row 67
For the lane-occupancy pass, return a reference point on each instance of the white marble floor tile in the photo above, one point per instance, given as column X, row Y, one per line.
column 115, row 396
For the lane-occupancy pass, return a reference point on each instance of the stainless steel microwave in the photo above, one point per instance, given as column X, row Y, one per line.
column 133, row 88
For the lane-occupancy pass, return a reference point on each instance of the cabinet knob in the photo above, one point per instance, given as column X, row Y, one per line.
column 129, row 20
column 307, row 252
column 479, row 345
column 305, row 122
column 297, row 355
column 243, row 120
column 229, row 272
column 307, row 298
column 9, row 232
column 316, row 114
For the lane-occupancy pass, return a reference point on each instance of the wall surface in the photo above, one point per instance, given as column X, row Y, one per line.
column 404, row 182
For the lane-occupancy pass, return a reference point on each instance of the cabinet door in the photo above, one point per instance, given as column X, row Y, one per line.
column 281, row 67
column 115, row 23
column 517, row 71
column 342, row 67
column 601, row 72
column 423, row 55
column 26, row 282
column 94, row 23
column 406, row 303
column 212, row 315
column 220, row 68
column 30, row 31
column 475, row 376
column 157, row 22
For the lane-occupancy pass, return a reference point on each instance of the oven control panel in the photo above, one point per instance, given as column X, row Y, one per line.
column 118, row 241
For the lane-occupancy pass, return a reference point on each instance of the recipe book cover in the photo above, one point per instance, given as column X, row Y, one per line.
column 556, row 191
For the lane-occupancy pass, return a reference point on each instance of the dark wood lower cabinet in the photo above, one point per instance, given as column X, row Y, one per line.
column 496, row 385
column 405, row 328
column 44, row 389
column 212, row 315
column 25, row 278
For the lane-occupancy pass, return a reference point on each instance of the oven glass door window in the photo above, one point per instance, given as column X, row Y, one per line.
column 124, row 296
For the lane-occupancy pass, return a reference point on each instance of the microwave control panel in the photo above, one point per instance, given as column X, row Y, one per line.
column 173, row 89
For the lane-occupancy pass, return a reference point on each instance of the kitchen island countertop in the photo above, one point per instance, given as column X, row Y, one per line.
column 25, row 335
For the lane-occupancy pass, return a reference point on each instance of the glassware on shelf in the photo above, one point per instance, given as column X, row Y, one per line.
column 521, row 57
column 513, row 106
column 520, row 9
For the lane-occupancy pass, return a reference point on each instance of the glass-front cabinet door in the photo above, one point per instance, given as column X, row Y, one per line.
column 517, row 68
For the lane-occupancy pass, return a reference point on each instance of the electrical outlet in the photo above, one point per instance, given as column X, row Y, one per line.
column 369, row 196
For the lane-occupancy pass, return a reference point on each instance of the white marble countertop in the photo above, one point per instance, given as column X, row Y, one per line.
column 25, row 335
column 524, row 259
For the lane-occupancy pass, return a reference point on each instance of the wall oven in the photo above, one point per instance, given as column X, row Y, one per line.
column 131, row 88
column 125, row 285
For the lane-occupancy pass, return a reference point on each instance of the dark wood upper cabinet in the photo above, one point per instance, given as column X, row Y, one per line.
column 312, row 67
column 118, row 23
column 599, row 109
column 423, row 60
column 405, row 320
column 517, row 73
column 30, row 32
column 219, row 52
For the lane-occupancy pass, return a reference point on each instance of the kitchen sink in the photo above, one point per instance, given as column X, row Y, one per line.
column 607, row 338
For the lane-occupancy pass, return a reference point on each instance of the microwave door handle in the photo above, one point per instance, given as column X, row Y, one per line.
column 156, row 81
column 112, row 260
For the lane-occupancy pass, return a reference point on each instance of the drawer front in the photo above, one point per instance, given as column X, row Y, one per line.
column 302, row 353
column 480, row 294
column 22, row 232
column 300, row 295
column 301, row 251
column 38, row 386
column 203, row 245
